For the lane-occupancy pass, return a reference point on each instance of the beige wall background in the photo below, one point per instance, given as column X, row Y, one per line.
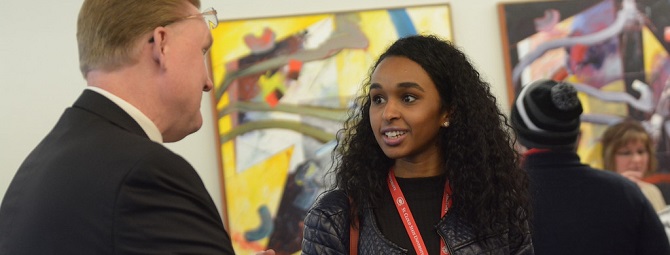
column 39, row 75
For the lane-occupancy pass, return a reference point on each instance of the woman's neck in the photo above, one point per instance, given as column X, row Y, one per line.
column 405, row 169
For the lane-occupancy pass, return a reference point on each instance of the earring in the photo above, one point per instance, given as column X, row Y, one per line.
column 445, row 124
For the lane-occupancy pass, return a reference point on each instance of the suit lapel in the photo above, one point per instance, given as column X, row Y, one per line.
column 100, row 105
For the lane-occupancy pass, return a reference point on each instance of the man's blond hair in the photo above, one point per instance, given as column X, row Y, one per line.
column 108, row 30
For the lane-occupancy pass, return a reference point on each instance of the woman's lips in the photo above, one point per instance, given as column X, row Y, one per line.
column 394, row 137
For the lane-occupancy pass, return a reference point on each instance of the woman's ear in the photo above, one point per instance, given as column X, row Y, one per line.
column 445, row 119
column 445, row 123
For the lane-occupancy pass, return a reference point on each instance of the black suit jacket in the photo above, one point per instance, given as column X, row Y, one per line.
column 96, row 184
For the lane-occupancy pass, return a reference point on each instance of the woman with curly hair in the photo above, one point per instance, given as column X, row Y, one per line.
column 425, row 164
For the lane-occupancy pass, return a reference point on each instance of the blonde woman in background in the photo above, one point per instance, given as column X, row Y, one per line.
column 628, row 150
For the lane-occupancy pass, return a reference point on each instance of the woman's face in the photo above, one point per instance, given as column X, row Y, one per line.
column 632, row 157
column 405, row 110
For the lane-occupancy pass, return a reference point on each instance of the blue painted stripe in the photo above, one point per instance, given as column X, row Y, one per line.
column 403, row 23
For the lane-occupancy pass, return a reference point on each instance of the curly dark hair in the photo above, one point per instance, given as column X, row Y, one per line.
column 477, row 150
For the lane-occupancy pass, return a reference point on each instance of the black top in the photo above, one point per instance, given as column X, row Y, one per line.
column 424, row 197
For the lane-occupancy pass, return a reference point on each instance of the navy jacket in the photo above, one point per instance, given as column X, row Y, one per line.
column 581, row 210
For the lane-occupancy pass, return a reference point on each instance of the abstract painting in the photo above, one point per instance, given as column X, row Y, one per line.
column 283, row 86
column 615, row 52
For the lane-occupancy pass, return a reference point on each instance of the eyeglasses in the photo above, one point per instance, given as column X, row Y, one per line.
column 209, row 15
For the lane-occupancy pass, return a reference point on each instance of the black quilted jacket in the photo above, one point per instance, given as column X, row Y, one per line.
column 327, row 232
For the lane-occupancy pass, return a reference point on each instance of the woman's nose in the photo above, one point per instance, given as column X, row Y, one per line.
column 637, row 157
column 390, row 111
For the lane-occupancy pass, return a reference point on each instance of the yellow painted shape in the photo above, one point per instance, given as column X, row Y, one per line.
column 269, row 83
column 228, row 148
column 589, row 148
column 261, row 184
column 229, row 37
column 653, row 52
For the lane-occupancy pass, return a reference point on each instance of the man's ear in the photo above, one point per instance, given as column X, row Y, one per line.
column 159, row 39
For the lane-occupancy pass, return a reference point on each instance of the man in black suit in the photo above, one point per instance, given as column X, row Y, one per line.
column 101, row 182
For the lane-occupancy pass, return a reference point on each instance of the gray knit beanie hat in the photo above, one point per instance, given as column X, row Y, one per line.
column 545, row 115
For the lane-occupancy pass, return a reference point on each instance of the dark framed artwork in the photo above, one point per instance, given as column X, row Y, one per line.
column 615, row 52
column 283, row 86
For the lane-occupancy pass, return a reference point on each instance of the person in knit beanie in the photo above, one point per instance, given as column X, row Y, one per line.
column 546, row 115
column 577, row 209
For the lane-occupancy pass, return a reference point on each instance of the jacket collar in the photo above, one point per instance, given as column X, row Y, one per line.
column 551, row 158
column 99, row 105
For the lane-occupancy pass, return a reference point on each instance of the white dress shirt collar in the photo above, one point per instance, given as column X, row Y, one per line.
column 147, row 125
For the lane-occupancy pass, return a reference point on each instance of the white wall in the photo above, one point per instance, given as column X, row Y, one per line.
column 39, row 75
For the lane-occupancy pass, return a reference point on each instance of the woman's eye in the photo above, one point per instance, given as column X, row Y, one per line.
column 623, row 153
column 377, row 99
column 409, row 99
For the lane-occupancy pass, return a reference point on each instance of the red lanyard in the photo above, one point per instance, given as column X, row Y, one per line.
column 408, row 219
